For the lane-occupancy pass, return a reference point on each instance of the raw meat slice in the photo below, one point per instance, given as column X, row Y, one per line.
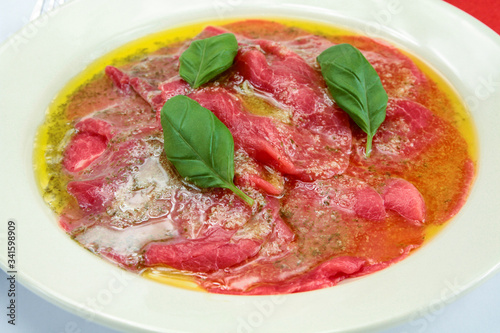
column 95, row 127
column 82, row 151
column 404, row 198
column 87, row 145
column 369, row 205
column 212, row 253
column 173, row 87
column 149, row 93
column 92, row 195
column 326, row 274
column 120, row 79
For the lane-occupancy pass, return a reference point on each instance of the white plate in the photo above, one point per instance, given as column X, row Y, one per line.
column 36, row 63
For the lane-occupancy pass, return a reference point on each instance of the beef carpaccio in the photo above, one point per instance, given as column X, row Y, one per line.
column 323, row 211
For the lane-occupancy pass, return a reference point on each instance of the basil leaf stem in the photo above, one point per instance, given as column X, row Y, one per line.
column 356, row 87
column 199, row 145
column 206, row 58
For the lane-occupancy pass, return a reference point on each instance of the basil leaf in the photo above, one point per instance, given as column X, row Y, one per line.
column 199, row 145
column 206, row 58
column 355, row 86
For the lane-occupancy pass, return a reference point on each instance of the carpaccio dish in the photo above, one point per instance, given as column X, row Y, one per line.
column 323, row 211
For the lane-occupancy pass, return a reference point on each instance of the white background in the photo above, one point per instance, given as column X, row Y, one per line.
column 477, row 311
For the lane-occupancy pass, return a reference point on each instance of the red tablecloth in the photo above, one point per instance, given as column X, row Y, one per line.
column 486, row 11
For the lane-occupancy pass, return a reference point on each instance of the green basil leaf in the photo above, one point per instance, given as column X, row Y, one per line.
column 206, row 58
column 199, row 145
column 355, row 86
